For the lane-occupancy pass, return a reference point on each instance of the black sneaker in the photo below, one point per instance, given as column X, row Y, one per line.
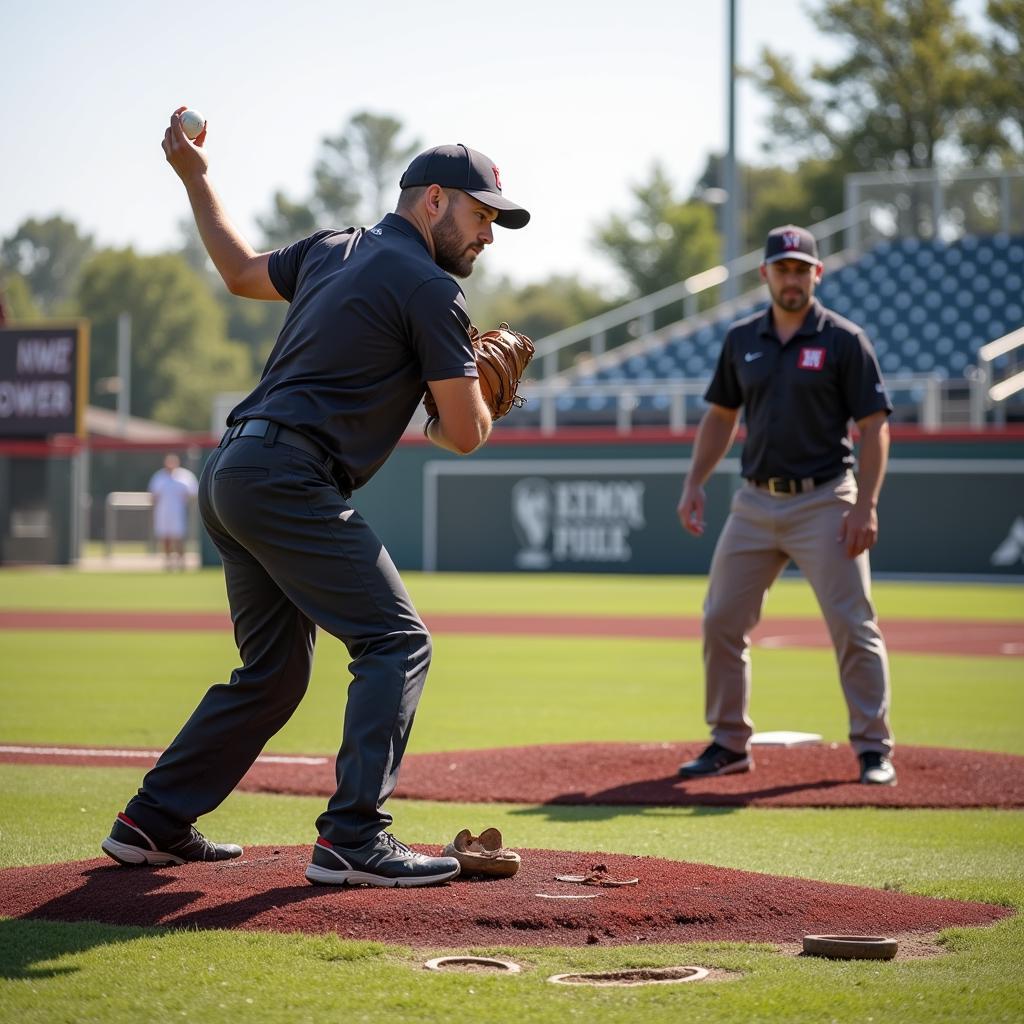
column 716, row 760
column 128, row 844
column 876, row 769
column 382, row 861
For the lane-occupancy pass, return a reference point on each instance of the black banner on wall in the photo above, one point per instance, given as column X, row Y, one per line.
column 43, row 375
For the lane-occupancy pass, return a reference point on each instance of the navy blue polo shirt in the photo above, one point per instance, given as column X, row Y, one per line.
column 798, row 398
column 372, row 318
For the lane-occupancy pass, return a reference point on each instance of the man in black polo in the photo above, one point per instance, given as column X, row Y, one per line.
column 801, row 373
column 375, row 317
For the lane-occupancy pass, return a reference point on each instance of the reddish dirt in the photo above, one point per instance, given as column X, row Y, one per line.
column 631, row 774
column 673, row 902
column 1000, row 638
column 645, row 773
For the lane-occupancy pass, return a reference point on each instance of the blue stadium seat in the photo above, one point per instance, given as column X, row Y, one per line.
column 927, row 306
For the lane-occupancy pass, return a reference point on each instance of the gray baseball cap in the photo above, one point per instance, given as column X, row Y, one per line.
column 467, row 169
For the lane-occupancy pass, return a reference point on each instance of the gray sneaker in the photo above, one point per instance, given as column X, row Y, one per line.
column 716, row 760
column 876, row 769
column 129, row 845
column 383, row 861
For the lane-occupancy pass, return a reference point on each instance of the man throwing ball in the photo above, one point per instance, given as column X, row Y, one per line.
column 801, row 372
column 375, row 319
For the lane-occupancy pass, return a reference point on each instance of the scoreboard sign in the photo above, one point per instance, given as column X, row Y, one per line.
column 43, row 376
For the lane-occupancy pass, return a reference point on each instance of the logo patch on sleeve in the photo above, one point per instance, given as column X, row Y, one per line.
column 811, row 359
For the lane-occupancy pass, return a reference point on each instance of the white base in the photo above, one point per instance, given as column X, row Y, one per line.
column 785, row 738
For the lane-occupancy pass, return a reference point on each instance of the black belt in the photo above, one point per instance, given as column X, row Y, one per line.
column 793, row 485
column 273, row 433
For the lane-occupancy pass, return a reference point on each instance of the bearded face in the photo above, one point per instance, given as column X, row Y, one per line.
column 791, row 284
column 452, row 252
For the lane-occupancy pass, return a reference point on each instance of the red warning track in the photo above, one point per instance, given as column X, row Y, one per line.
column 628, row 774
column 672, row 902
column 992, row 638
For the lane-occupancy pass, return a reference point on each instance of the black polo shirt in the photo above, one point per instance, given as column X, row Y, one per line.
column 372, row 318
column 798, row 398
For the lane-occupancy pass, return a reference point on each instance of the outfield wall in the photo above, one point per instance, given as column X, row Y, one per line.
column 952, row 504
column 589, row 501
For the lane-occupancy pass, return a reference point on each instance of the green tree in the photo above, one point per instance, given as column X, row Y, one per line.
column 356, row 176
column 543, row 307
column 996, row 132
column 662, row 239
column 288, row 221
column 355, row 180
column 255, row 324
column 49, row 255
column 193, row 251
column 775, row 195
column 16, row 298
column 180, row 354
column 537, row 309
column 894, row 100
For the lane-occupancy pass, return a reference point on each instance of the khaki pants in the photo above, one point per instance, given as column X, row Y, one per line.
column 763, row 532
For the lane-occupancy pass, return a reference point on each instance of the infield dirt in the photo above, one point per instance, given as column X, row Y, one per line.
column 630, row 774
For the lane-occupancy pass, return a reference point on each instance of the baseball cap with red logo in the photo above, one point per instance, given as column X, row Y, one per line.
column 460, row 167
column 790, row 243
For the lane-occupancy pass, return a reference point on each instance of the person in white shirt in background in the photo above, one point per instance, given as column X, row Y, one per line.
column 174, row 488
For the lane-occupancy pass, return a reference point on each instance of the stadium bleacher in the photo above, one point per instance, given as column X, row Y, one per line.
column 928, row 306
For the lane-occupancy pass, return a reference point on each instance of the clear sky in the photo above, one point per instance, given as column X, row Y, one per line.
column 573, row 99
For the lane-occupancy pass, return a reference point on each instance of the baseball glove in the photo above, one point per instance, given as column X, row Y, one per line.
column 483, row 854
column 502, row 356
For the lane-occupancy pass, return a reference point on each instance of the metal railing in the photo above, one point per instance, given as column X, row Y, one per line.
column 925, row 393
column 942, row 203
column 998, row 392
column 638, row 316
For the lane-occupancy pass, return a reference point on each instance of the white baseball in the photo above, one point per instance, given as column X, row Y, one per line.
column 192, row 123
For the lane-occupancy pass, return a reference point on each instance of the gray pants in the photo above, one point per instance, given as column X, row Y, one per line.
column 296, row 556
column 763, row 532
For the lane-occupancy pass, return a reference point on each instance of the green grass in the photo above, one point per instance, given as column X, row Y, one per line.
column 491, row 691
column 189, row 975
column 92, row 971
column 135, row 690
column 469, row 592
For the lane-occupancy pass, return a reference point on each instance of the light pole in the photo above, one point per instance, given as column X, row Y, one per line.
column 124, row 371
column 733, row 203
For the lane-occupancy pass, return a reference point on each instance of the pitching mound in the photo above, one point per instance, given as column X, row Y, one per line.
column 672, row 902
